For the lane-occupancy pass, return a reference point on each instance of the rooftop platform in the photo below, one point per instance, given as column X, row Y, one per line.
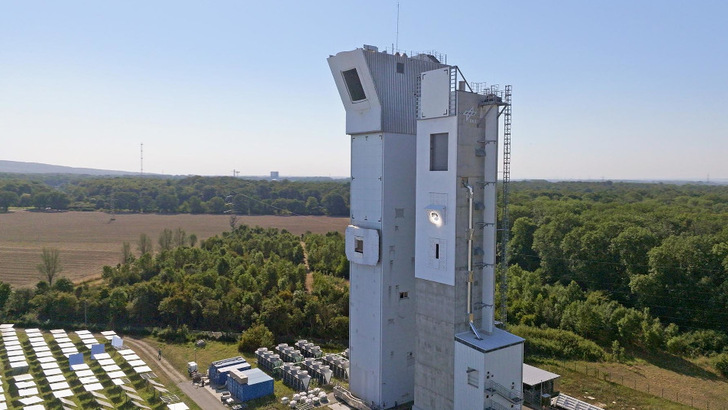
column 499, row 339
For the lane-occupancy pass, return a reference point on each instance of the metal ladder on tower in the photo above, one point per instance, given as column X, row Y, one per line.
column 505, row 237
column 452, row 108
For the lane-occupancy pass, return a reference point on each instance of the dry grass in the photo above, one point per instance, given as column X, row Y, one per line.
column 666, row 382
column 89, row 240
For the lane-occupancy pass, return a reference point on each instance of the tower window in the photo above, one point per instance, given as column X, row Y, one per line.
column 400, row 68
column 438, row 152
column 359, row 245
column 472, row 377
column 353, row 85
column 404, row 295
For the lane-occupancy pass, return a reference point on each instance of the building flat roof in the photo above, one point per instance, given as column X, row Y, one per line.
column 227, row 362
column 254, row 376
column 499, row 339
column 533, row 375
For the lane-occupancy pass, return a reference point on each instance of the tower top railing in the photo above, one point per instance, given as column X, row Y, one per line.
column 441, row 57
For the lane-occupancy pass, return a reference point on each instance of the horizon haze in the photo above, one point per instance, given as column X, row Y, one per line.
column 25, row 168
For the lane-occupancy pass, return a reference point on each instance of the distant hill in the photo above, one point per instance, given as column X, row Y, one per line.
column 15, row 167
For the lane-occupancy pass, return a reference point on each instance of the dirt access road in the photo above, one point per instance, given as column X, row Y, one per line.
column 200, row 396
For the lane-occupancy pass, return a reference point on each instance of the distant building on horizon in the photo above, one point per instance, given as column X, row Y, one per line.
column 274, row 175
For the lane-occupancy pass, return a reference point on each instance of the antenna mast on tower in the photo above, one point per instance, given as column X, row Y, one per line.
column 396, row 42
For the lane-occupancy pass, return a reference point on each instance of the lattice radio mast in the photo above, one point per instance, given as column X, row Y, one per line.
column 141, row 152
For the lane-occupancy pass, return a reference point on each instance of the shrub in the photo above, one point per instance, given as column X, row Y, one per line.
column 653, row 334
column 722, row 364
column 629, row 326
column 677, row 345
column 558, row 343
column 699, row 342
column 617, row 351
column 255, row 337
column 176, row 335
column 340, row 327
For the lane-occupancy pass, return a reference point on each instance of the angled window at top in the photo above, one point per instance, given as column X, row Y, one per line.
column 353, row 85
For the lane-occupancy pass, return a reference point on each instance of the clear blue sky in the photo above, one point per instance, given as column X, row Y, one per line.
column 602, row 89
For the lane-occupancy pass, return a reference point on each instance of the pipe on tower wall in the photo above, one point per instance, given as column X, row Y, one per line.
column 470, row 262
column 489, row 216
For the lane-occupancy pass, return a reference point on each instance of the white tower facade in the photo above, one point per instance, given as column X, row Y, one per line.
column 378, row 92
column 462, row 360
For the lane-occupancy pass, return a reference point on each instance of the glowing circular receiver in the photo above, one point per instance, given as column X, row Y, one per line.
column 435, row 214
column 435, row 218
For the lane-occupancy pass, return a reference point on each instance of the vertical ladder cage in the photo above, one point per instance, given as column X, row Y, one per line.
column 506, row 182
column 453, row 108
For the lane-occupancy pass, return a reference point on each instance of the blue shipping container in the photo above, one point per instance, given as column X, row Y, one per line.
column 249, row 384
column 214, row 371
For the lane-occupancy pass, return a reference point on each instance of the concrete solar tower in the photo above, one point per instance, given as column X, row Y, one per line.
column 378, row 92
column 462, row 360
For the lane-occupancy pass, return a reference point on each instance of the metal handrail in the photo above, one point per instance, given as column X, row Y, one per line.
column 512, row 395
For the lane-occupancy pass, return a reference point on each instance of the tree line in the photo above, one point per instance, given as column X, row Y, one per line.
column 230, row 282
column 196, row 195
column 636, row 264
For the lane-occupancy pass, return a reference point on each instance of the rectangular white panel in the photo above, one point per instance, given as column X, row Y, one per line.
column 435, row 100
column 435, row 238
column 362, row 245
column 366, row 180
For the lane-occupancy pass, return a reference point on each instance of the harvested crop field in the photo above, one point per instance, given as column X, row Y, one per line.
column 89, row 240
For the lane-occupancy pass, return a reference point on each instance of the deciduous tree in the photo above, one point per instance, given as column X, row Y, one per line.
column 144, row 245
column 7, row 199
column 50, row 264
column 165, row 240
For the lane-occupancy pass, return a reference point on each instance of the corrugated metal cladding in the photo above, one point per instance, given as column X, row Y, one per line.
column 395, row 90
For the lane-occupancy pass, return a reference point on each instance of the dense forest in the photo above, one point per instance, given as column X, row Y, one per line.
column 227, row 283
column 197, row 195
column 640, row 264
column 620, row 264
